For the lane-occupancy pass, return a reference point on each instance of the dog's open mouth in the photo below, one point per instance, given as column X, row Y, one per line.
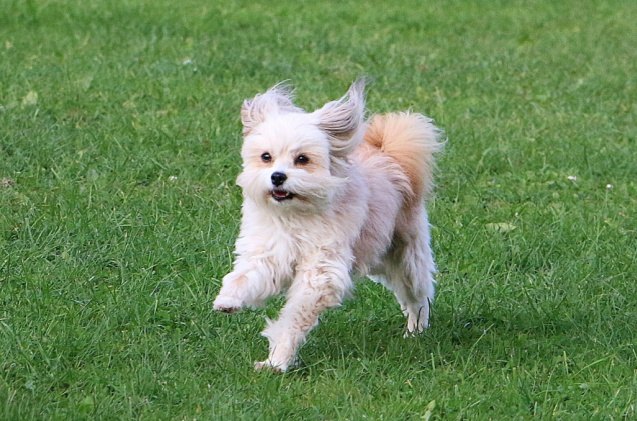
column 280, row 195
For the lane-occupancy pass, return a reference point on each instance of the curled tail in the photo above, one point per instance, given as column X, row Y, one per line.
column 411, row 140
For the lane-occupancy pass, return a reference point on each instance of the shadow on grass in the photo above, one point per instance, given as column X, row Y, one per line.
column 345, row 339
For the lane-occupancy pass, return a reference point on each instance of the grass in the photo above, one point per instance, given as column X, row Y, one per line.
column 119, row 147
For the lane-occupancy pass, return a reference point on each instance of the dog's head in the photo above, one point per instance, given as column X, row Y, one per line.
column 293, row 159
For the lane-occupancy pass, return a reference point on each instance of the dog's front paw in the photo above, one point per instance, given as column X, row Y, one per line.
column 271, row 366
column 227, row 304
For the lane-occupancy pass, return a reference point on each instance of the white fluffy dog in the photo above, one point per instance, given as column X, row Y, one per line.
column 326, row 194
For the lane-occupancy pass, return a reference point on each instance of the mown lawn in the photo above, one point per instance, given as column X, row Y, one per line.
column 119, row 141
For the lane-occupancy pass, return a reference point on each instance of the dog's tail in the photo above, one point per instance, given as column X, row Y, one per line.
column 411, row 139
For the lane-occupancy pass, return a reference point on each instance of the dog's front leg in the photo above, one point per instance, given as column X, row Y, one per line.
column 313, row 291
column 249, row 284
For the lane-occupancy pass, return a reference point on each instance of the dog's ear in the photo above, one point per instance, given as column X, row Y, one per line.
column 254, row 111
column 342, row 118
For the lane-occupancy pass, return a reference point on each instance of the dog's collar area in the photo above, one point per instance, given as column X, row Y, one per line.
column 280, row 195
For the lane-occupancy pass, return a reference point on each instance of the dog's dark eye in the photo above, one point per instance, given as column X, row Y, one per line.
column 301, row 159
column 266, row 157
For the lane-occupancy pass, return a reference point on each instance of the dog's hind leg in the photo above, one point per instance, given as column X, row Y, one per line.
column 410, row 272
column 319, row 285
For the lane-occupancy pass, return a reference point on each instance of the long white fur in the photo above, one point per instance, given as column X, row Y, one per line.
column 357, row 206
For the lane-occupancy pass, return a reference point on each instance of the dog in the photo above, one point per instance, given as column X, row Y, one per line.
column 327, row 194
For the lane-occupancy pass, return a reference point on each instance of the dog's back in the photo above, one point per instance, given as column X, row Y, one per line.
column 397, row 161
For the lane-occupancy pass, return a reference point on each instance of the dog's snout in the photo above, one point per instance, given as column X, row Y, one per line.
column 278, row 178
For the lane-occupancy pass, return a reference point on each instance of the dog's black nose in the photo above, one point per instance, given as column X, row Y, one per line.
column 278, row 178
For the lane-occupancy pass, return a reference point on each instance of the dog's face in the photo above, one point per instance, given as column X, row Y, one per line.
column 295, row 160
column 286, row 162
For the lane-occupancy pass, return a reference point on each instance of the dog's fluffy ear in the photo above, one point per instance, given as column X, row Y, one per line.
column 342, row 119
column 277, row 98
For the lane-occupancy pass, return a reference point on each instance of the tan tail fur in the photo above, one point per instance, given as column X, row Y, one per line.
column 411, row 139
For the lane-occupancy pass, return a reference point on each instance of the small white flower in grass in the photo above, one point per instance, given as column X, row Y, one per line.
column 609, row 186
column 572, row 177
column 31, row 98
column 172, row 178
column 187, row 61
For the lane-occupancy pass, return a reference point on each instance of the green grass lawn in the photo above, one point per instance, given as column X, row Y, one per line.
column 119, row 146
